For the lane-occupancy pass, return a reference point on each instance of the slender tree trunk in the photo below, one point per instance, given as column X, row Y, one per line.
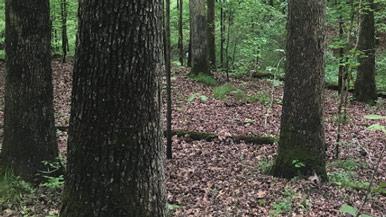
column 212, row 33
column 189, row 64
column 302, row 149
column 63, row 10
column 180, row 4
column 222, row 33
column 341, row 72
column 169, row 153
column 365, row 88
column 199, row 37
column 115, row 149
column 29, row 129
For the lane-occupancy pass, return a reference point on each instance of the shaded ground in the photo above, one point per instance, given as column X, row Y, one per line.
column 221, row 178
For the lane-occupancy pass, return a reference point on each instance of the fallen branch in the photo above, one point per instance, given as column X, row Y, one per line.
column 207, row 136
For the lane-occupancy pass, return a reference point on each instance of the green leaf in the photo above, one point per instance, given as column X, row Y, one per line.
column 192, row 97
column 375, row 117
column 377, row 127
column 347, row 209
column 203, row 99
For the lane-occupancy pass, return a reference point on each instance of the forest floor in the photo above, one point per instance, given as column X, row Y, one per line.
column 227, row 178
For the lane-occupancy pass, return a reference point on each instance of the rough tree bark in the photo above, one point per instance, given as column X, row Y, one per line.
column 169, row 151
column 212, row 33
column 115, row 149
column 29, row 129
column 63, row 13
column 302, row 144
column 199, row 37
column 365, row 88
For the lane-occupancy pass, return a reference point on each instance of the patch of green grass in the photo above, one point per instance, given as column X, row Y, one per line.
column 204, row 79
column 347, row 179
column 347, row 164
column 221, row 92
column 12, row 189
column 284, row 205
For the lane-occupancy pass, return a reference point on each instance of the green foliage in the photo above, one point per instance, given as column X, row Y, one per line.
column 194, row 96
column 298, row 164
column 352, row 211
column 171, row 208
column 284, row 205
column 221, row 92
column 53, row 182
column 347, row 165
column 204, row 79
column 265, row 165
column 347, row 179
column 12, row 189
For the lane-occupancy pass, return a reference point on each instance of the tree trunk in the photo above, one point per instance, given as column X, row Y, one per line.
column 63, row 10
column 199, row 37
column 29, row 128
column 365, row 88
column 222, row 33
column 180, row 4
column 115, row 149
column 302, row 144
column 169, row 153
column 212, row 33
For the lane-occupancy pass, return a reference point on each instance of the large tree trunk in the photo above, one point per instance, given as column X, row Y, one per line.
column 29, row 129
column 199, row 37
column 115, row 150
column 302, row 144
column 212, row 33
column 365, row 88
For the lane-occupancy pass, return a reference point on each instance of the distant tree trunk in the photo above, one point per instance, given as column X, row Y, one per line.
column 29, row 129
column 180, row 5
column 341, row 72
column 302, row 149
column 189, row 56
column 222, row 33
column 63, row 13
column 365, row 88
column 115, row 148
column 212, row 33
column 199, row 37
column 169, row 153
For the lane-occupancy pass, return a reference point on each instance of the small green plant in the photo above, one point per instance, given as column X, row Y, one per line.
column 204, row 79
column 298, row 164
column 195, row 96
column 265, row 165
column 12, row 188
column 221, row 92
column 171, row 208
column 262, row 97
column 352, row 211
column 284, row 205
column 53, row 182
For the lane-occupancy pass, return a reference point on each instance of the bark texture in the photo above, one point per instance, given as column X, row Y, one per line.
column 212, row 33
column 115, row 150
column 302, row 144
column 199, row 37
column 29, row 130
column 365, row 88
column 180, row 5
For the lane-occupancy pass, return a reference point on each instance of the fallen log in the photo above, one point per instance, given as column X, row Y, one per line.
column 207, row 136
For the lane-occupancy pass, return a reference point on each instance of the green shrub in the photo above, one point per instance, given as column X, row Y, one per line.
column 204, row 79
column 12, row 188
column 347, row 179
column 284, row 205
column 265, row 165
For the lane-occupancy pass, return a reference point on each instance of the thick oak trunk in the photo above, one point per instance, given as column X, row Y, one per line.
column 199, row 37
column 115, row 150
column 365, row 88
column 29, row 130
column 302, row 144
